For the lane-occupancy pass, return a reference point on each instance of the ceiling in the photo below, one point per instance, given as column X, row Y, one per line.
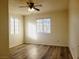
column 47, row 6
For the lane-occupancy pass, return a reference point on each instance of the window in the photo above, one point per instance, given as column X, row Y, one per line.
column 43, row 25
column 14, row 25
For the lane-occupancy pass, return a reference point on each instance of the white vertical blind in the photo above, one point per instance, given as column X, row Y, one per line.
column 14, row 25
column 44, row 25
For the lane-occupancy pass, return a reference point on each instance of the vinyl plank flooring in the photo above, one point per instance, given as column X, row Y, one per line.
column 32, row 51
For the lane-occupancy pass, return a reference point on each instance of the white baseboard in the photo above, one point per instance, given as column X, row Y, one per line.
column 64, row 45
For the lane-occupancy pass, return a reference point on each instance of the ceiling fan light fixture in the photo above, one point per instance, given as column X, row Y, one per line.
column 31, row 9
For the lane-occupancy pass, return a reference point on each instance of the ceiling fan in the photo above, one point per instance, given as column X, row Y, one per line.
column 30, row 4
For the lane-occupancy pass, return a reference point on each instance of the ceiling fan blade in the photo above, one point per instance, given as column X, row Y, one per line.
column 23, row 6
column 38, row 5
column 36, row 9
column 27, row 2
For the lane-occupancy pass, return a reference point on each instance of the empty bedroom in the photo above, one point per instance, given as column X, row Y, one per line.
column 38, row 29
column 41, row 29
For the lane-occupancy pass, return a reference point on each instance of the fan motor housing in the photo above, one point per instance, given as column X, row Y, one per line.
column 31, row 5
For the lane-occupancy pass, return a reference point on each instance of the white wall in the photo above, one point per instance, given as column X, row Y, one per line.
column 74, row 27
column 4, row 50
column 59, row 29
column 78, row 51
column 16, row 39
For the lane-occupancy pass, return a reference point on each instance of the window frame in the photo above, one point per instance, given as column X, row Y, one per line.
column 43, row 30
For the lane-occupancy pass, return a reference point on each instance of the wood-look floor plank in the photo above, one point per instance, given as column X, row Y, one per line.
column 31, row 51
